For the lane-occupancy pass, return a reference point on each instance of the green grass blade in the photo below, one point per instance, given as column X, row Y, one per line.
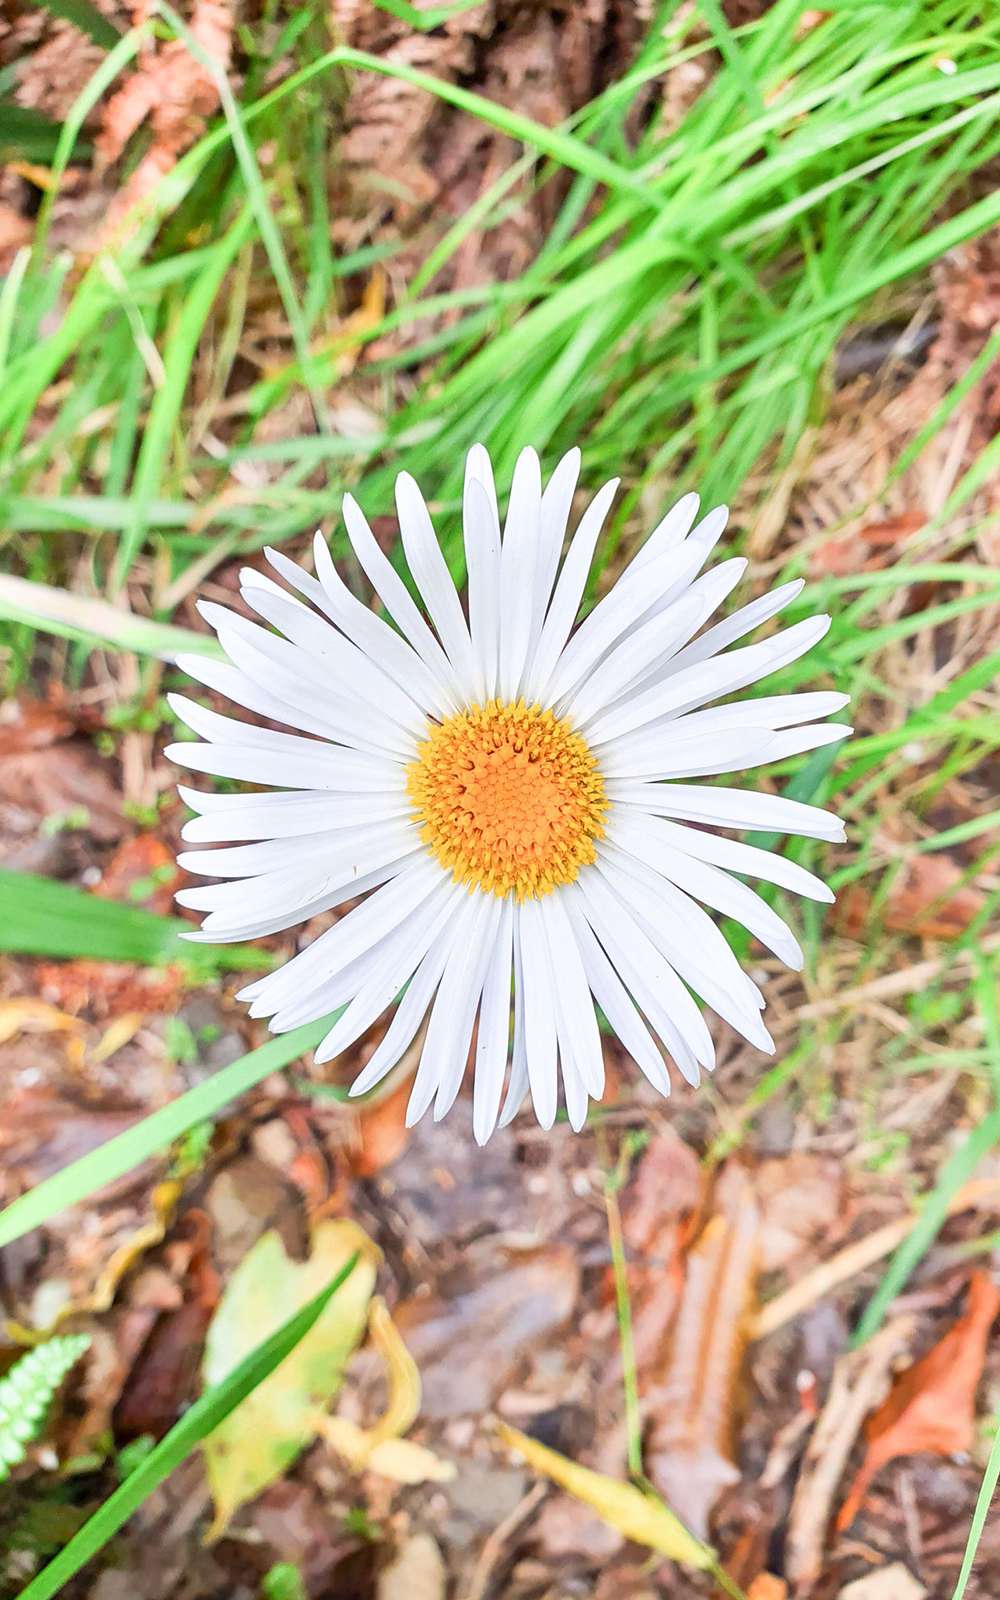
column 86, row 17
column 987, row 1490
column 77, row 616
column 154, row 1133
column 42, row 917
column 205, row 1415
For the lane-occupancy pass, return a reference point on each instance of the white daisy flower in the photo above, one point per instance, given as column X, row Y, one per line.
column 518, row 803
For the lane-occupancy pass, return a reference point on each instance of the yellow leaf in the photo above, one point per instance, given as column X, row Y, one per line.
column 262, row 1437
column 637, row 1515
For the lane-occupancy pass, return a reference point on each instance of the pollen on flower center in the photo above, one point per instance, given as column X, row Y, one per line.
column 510, row 798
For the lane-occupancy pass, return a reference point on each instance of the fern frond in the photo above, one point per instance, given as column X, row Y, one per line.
column 26, row 1392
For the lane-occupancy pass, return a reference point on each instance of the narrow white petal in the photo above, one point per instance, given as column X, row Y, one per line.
column 517, row 1086
column 398, row 962
column 322, row 766
column 668, row 533
column 651, row 756
column 263, row 816
column 707, row 883
column 605, row 681
column 458, row 1020
column 340, row 662
column 214, row 932
column 762, row 711
column 557, row 501
column 431, row 576
column 539, row 1015
column 579, row 1034
column 278, row 891
column 616, row 1003
column 651, row 979
column 482, row 559
column 374, row 636
column 449, row 1031
column 614, row 616
column 334, row 851
column 517, row 563
column 396, row 598
column 721, row 852
column 230, row 730
column 796, row 741
column 741, row 622
column 707, row 680
column 227, row 680
column 568, row 593
column 692, row 944
column 730, row 808
column 407, row 1017
column 494, row 1029
column 710, row 590
column 359, row 930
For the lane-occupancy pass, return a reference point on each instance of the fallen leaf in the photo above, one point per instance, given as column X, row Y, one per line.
column 767, row 1587
column 799, row 1195
column 867, row 549
column 927, row 899
column 634, row 1513
column 263, row 1436
column 381, row 1448
column 888, row 1583
column 416, row 1572
column 657, row 1207
column 382, row 1133
column 932, row 1405
column 691, row 1441
column 142, row 872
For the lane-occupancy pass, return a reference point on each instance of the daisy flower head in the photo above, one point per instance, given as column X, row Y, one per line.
column 512, row 803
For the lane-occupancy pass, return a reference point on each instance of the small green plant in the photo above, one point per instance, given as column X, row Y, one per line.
column 26, row 1393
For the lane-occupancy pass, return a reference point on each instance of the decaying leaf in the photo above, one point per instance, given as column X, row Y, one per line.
column 263, row 1436
column 927, row 899
column 637, row 1515
column 931, row 1406
column 416, row 1572
column 382, row 1448
column 691, row 1444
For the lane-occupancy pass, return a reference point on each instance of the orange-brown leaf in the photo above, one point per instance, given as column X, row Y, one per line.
column 932, row 1405
column 691, row 1455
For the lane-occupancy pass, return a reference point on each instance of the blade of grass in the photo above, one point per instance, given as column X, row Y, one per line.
column 987, row 1490
column 77, row 616
column 154, row 1133
column 197, row 1423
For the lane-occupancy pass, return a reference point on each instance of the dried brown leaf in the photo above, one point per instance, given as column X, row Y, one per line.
column 927, row 899
column 691, row 1444
column 932, row 1405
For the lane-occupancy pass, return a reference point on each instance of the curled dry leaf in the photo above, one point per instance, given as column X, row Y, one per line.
column 634, row 1513
column 932, row 1405
column 691, row 1441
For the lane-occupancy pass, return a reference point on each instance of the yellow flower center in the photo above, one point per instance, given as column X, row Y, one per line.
column 510, row 798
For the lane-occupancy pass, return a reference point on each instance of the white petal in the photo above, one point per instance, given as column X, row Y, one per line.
column 614, row 616
column 431, row 576
column 230, row 730
column 482, row 559
column 607, row 680
column 729, row 853
column 707, row 680
column 730, row 808
column 796, row 741
column 692, row 944
column 227, row 680
column 710, row 590
column 517, row 563
column 361, row 929
column 458, row 1020
column 651, row 979
column 282, row 890
column 517, row 1086
column 306, row 811
column 333, row 851
column 340, row 662
column 399, row 960
column 715, row 888
column 449, row 1031
column 579, row 1034
column 668, row 533
column 763, row 711
column 396, row 598
column 321, row 766
column 568, row 594
column 494, row 1030
column 742, row 622
column 616, row 1003
column 557, row 501
column 539, row 1015
column 648, row 756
